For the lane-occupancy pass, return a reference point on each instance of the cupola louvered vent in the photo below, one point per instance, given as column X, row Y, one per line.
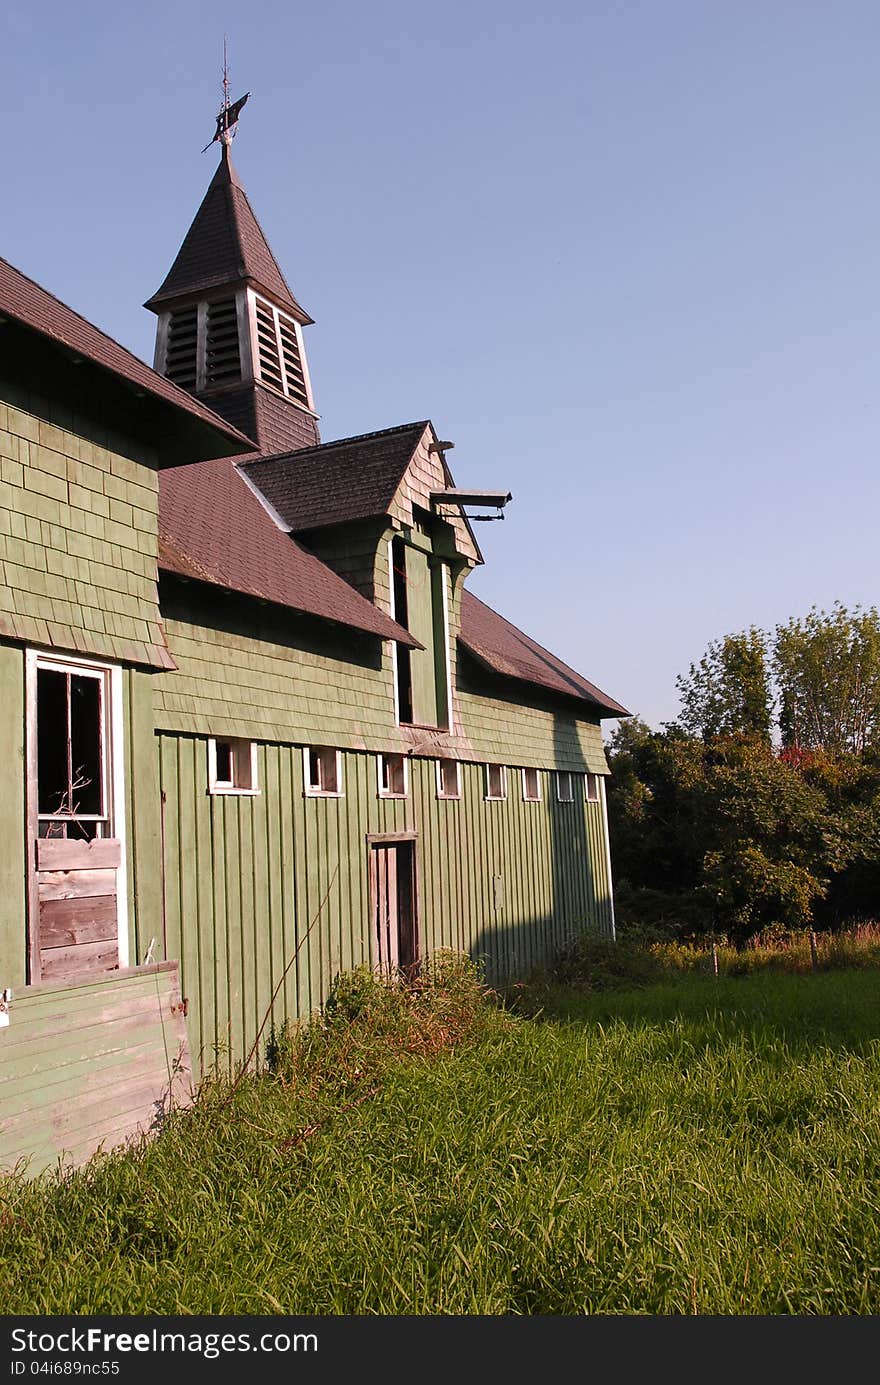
column 222, row 357
column 181, row 351
column 267, row 337
column 279, row 352
column 293, row 372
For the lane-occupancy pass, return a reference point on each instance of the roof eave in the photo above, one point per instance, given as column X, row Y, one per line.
column 603, row 709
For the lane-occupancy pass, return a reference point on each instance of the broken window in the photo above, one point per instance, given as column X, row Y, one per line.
column 392, row 776
column 323, row 771
column 71, row 738
column 565, row 786
column 531, row 786
column 448, row 779
column 496, row 781
column 232, row 766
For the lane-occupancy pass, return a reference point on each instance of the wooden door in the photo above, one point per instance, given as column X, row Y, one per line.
column 75, row 850
column 392, row 871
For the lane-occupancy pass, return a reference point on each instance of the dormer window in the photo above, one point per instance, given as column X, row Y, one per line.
column 202, row 349
column 279, row 355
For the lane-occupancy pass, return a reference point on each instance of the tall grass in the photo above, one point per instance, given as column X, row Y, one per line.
column 693, row 1146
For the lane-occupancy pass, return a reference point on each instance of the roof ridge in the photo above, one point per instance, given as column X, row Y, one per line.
column 340, row 442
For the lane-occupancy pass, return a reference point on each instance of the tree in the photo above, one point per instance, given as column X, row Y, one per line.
column 728, row 692
column 827, row 668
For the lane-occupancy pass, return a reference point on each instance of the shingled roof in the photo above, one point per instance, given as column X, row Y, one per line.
column 26, row 302
column 213, row 528
column 336, row 482
column 504, row 649
column 225, row 245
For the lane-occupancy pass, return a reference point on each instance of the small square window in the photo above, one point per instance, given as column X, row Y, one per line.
column 531, row 783
column 232, row 766
column 496, row 781
column 565, row 786
column 591, row 788
column 448, row 779
column 322, row 768
column 392, row 776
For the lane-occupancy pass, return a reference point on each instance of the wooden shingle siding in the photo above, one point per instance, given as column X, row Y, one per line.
column 78, row 536
column 90, row 1064
column 354, row 556
column 425, row 474
column 229, row 684
column 515, row 734
column 246, row 876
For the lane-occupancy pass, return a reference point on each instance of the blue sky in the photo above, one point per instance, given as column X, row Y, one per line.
column 623, row 254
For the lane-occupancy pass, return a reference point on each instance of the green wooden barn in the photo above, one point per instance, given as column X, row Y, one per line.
column 255, row 728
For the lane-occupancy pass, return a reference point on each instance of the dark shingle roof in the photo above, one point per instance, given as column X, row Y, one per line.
column 225, row 245
column 506, row 650
column 26, row 302
column 336, row 482
column 212, row 527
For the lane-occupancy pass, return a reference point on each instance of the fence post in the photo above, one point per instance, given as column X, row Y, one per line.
column 814, row 953
column 714, row 957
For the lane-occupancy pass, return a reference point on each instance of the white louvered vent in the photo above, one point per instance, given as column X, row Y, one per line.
column 293, row 371
column 279, row 352
column 222, row 357
column 181, row 351
column 267, row 340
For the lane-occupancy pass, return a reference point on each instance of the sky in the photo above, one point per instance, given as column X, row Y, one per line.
column 623, row 254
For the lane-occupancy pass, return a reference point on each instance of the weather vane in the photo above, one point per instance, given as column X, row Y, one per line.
column 228, row 117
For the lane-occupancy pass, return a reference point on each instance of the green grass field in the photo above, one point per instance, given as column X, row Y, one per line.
column 695, row 1146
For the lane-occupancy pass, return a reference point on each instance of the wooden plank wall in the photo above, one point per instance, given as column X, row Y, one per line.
column 89, row 1064
column 245, row 876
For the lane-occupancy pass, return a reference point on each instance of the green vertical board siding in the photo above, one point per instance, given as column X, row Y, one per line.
column 420, row 622
column 271, row 891
column 90, row 1063
column 143, row 820
column 13, row 888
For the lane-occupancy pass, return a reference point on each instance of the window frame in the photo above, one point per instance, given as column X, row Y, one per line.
column 311, row 790
column 241, row 750
column 537, row 796
column 488, row 796
column 591, row 780
column 401, row 762
column 441, row 792
column 565, row 774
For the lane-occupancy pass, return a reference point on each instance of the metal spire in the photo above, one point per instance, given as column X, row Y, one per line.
column 228, row 117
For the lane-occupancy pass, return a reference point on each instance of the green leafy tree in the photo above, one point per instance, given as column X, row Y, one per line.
column 728, row 692
column 827, row 669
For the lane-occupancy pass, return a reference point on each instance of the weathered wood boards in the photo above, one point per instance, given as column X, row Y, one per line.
column 90, row 1064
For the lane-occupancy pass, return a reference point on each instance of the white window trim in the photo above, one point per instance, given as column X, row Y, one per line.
column 216, row 786
column 390, row 793
column 495, row 797
column 114, row 761
column 450, row 797
column 594, row 798
column 527, row 797
column 560, row 775
column 308, row 790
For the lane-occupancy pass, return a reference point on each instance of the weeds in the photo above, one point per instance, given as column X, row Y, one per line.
column 687, row 1146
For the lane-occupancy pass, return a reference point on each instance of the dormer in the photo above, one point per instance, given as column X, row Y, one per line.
column 230, row 329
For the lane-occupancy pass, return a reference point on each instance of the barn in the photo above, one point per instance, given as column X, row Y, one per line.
column 256, row 728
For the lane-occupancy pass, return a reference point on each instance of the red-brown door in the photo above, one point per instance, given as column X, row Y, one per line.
column 395, row 934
